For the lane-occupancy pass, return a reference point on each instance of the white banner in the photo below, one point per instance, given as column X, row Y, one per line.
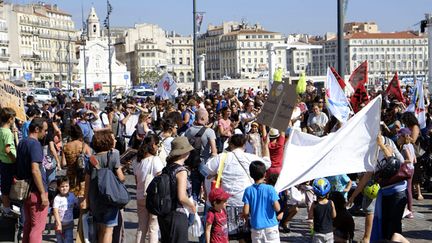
column 351, row 149
column 167, row 87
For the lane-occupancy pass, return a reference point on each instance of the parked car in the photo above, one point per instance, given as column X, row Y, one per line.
column 41, row 94
column 141, row 93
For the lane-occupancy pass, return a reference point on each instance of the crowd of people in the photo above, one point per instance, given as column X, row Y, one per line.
column 215, row 155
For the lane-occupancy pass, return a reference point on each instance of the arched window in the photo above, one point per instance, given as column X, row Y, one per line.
column 189, row 77
column 181, row 77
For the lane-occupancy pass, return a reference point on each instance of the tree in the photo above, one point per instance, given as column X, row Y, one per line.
column 151, row 77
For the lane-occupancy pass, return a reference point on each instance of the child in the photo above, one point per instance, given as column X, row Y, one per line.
column 343, row 224
column 216, row 222
column 407, row 149
column 63, row 206
column 322, row 212
column 340, row 183
column 261, row 202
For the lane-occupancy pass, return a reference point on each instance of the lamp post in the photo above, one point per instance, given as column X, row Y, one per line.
column 83, row 42
column 107, row 26
column 195, row 56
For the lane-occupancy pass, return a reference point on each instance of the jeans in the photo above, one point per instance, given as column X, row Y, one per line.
column 196, row 181
column 66, row 236
column 393, row 207
column 35, row 218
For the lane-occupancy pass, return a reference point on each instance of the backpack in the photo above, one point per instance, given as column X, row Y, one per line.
column 110, row 190
column 67, row 121
column 194, row 159
column 81, row 160
column 161, row 200
column 100, row 117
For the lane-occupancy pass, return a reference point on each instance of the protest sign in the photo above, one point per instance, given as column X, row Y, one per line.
column 11, row 96
column 278, row 108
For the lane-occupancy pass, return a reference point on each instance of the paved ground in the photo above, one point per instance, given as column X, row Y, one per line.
column 418, row 229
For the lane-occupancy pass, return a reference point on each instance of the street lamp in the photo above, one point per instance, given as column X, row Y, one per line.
column 84, row 43
column 107, row 26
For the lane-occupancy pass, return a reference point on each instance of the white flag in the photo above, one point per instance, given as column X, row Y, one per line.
column 351, row 149
column 336, row 101
column 167, row 87
column 420, row 110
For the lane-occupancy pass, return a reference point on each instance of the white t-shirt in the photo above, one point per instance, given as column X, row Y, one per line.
column 247, row 115
column 130, row 124
column 141, row 169
column 65, row 207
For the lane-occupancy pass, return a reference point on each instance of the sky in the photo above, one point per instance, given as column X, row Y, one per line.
column 314, row 17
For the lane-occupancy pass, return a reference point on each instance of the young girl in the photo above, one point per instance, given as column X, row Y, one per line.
column 143, row 126
column 63, row 206
column 323, row 212
column 254, row 142
column 407, row 148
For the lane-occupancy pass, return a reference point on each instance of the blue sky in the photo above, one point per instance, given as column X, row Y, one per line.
column 286, row 16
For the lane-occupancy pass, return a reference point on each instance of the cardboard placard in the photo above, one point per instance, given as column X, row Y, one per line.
column 279, row 106
column 12, row 96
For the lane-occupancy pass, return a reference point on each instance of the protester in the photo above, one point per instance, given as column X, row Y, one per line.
column 216, row 230
column 29, row 166
column 8, row 155
column 147, row 166
column 261, row 203
column 276, row 148
column 174, row 226
column 63, row 207
column 316, row 121
column 104, row 215
column 323, row 212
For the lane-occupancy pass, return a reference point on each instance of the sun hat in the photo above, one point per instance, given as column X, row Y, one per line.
column 218, row 194
column 179, row 146
column 274, row 133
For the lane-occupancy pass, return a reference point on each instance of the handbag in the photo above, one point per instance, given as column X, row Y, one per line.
column 20, row 190
column 149, row 177
column 403, row 173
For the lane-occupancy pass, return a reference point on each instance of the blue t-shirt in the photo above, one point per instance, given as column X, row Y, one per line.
column 87, row 131
column 338, row 183
column 30, row 151
column 260, row 198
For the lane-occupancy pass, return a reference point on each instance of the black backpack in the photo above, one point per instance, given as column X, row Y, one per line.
column 67, row 121
column 161, row 192
column 194, row 159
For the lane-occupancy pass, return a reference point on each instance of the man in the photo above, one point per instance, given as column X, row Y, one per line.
column 61, row 99
column 235, row 178
column 129, row 120
column 30, row 104
column 29, row 166
column 84, row 124
column 100, row 120
column 208, row 148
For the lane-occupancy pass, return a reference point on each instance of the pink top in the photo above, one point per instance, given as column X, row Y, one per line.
column 226, row 126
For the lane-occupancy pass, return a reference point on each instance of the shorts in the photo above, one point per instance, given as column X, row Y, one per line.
column 107, row 216
column 368, row 205
column 270, row 235
column 323, row 238
column 7, row 172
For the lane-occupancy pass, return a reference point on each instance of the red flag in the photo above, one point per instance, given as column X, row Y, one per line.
column 359, row 97
column 394, row 90
column 338, row 78
column 360, row 75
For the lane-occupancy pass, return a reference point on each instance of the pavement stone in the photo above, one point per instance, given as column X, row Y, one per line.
column 416, row 230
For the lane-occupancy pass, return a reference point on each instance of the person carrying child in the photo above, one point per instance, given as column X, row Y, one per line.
column 63, row 206
column 216, row 230
column 322, row 212
column 261, row 202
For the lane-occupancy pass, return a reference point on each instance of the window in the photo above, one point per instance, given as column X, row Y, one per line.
column 188, row 61
column 181, row 60
column 173, row 51
column 173, row 60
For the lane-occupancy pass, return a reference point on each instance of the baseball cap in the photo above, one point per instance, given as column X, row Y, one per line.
column 404, row 131
column 218, row 194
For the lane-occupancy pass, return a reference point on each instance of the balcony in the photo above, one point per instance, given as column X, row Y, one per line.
column 4, row 56
column 27, row 56
column 3, row 29
column 26, row 32
column 4, row 42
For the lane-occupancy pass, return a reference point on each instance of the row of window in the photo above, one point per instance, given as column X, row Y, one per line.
column 180, row 61
column 391, row 42
column 388, row 49
column 259, row 36
column 392, row 56
column 180, row 51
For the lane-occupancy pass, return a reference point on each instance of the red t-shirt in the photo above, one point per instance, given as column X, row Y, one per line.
column 276, row 154
column 219, row 230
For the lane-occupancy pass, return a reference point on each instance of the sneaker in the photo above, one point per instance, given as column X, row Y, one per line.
column 284, row 229
column 409, row 216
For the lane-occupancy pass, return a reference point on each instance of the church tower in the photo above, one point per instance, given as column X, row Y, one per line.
column 93, row 25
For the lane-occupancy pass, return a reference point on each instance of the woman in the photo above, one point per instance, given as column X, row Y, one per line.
column 51, row 159
column 147, row 163
column 410, row 121
column 169, row 131
column 174, row 226
column 224, row 128
column 188, row 115
column 71, row 151
column 105, row 216
column 317, row 121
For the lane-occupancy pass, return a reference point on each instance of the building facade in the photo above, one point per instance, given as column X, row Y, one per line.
column 236, row 50
column 181, row 63
column 45, row 39
column 404, row 52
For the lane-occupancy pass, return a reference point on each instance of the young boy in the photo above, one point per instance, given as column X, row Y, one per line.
column 216, row 221
column 322, row 212
column 261, row 203
column 63, row 206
